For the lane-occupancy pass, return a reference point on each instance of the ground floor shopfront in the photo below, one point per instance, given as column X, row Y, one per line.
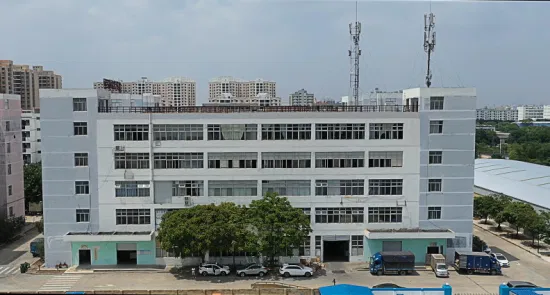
column 420, row 243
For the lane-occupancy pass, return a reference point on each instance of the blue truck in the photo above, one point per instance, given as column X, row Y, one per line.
column 386, row 262
column 476, row 262
column 34, row 246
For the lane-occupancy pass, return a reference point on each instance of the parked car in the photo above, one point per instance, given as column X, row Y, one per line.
column 502, row 260
column 213, row 269
column 441, row 270
column 387, row 286
column 521, row 284
column 253, row 269
column 295, row 270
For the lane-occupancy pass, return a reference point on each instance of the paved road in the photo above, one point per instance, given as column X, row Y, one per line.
column 12, row 255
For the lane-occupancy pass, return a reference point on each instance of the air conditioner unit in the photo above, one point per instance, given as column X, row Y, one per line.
column 157, row 143
column 143, row 185
column 182, row 186
column 188, row 201
column 119, row 148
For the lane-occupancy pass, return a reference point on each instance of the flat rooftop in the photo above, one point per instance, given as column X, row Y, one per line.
column 257, row 109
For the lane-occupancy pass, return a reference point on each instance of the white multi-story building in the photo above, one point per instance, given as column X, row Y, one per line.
column 497, row 114
column 261, row 99
column 301, row 98
column 219, row 86
column 534, row 112
column 382, row 98
column 30, row 128
column 386, row 180
column 174, row 91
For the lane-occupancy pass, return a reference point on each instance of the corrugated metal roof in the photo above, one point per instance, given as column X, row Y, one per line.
column 521, row 180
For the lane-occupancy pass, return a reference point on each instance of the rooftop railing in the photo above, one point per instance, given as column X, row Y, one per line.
column 260, row 109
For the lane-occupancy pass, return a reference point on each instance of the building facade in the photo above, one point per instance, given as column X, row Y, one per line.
column 497, row 114
column 261, row 99
column 25, row 81
column 30, row 130
column 380, row 98
column 531, row 112
column 174, row 91
column 369, row 180
column 217, row 87
column 301, row 98
column 12, row 198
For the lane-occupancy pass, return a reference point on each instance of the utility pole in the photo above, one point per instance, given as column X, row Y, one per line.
column 354, row 53
column 429, row 43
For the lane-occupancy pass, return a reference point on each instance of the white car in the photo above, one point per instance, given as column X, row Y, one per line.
column 213, row 269
column 295, row 270
column 502, row 260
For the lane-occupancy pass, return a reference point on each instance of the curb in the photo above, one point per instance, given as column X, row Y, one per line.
column 507, row 240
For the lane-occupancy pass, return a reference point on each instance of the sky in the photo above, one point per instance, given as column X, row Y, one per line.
column 501, row 48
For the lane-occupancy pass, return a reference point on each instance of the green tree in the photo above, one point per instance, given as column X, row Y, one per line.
column 33, row 183
column 277, row 226
column 483, row 206
column 519, row 215
column 500, row 202
column 191, row 231
column 537, row 227
column 234, row 229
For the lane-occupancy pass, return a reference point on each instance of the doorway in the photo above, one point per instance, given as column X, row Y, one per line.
column 126, row 253
column 335, row 251
column 84, row 257
column 433, row 250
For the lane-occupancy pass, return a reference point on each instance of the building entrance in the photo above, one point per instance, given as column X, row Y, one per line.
column 335, row 251
column 126, row 253
column 84, row 257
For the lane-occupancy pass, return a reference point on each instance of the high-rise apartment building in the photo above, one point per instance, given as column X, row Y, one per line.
column 371, row 179
column 497, row 114
column 12, row 198
column 25, row 81
column 301, row 98
column 240, row 88
column 530, row 112
column 174, row 91
column 30, row 129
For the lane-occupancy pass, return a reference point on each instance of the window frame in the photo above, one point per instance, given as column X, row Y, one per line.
column 435, row 157
column 80, row 128
column 80, row 104
column 385, row 215
column 82, row 187
column 82, row 215
column 81, row 159
column 434, row 184
column 436, row 126
column 437, row 103
column 386, row 131
column 434, row 213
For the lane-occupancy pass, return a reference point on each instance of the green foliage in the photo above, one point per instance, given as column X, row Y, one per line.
column 33, row 183
column 483, row 206
column 519, row 215
column 40, row 249
column 478, row 244
column 500, row 202
column 277, row 225
column 268, row 226
column 40, row 226
column 10, row 227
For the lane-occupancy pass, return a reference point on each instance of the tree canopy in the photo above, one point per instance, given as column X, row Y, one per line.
column 33, row 183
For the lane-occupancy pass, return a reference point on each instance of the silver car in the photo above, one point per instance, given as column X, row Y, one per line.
column 253, row 269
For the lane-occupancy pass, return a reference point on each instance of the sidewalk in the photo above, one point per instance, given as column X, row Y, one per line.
column 506, row 232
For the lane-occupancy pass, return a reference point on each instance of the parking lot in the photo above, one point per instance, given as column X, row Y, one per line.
column 524, row 266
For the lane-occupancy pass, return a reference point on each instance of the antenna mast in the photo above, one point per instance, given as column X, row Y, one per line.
column 429, row 43
column 354, row 53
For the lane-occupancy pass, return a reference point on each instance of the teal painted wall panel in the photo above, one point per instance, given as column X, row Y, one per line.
column 103, row 253
column 417, row 246
column 146, row 253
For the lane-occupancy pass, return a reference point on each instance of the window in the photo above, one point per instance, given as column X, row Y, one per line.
column 357, row 246
column 9, row 169
column 287, row 187
column 385, row 159
column 436, row 103
column 80, row 128
column 194, row 188
column 305, row 248
column 286, row 160
column 81, row 159
column 8, row 147
column 386, row 131
column 178, row 132
column 125, row 189
column 131, row 161
column 232, row 160
column 82, row 187
column 339, row 215
column 385, row 214
column 340, row 160
column 385, row 187
column 339, row 131
column 233, row 132
column 435, row 157
column 82, row 215
column 318, row 244
column 133, row 216
column 307, row 211
column 340, row 187
column 286, row 131
column 434, row 212
column 131, row 132
column 163, row 253
column 434, row 185
column 8, row 126
column 79, row 104
column 436, row 127
column 10, row 211
column 233, row 188
column 10, row 190
column 179, row 160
